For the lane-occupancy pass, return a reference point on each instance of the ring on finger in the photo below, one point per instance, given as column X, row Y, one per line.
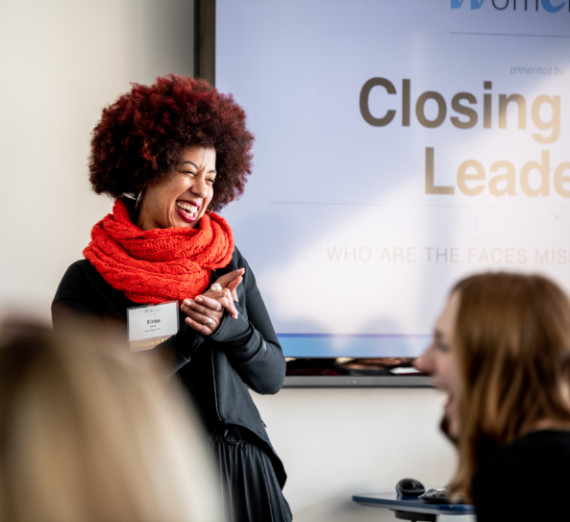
column 216, row 287
column 209, row 321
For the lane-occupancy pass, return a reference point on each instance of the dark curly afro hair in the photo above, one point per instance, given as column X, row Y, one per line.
column 140, row 137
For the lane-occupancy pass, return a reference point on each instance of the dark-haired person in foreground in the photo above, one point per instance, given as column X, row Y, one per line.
column 501, row 351
column 171, row 154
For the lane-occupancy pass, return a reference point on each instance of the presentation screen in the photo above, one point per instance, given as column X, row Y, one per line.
column 399, row 146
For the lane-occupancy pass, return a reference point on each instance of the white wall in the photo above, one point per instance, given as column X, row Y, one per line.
column 61, row 62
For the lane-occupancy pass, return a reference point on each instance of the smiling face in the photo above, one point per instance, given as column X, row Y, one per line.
column 440, row 361
column 182, row 197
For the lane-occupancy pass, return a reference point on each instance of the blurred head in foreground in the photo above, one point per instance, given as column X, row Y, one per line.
column 501, row 351
column 89, row 432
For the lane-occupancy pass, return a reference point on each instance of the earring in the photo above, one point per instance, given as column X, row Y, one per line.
column 139, row 199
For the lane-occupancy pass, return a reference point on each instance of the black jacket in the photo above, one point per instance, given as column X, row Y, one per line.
column 216, row 370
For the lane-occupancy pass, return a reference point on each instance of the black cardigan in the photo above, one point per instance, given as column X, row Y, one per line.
column 216, row 370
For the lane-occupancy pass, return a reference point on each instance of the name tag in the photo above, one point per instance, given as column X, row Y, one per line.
column 151, row 325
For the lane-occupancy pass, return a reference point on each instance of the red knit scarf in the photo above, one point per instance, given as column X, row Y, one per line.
column 162, row 264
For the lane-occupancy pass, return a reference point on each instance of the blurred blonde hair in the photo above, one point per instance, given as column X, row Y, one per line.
column 90, row 432
column 512, row 337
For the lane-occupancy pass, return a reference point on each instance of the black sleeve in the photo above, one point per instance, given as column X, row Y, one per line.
column 250, row 341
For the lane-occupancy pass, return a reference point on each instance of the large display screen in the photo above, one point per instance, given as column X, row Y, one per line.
column 400, row 145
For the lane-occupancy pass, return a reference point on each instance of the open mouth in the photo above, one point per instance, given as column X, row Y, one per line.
column 187, row 211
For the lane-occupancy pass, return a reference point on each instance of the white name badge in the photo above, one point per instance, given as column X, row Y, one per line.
column 151, row 325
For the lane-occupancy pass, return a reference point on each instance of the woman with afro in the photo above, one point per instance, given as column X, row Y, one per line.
column 171, row 155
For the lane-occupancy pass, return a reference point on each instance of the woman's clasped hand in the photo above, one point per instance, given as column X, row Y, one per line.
column 204, row 313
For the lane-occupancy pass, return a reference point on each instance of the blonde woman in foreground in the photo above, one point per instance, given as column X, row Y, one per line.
column 89, row 433
column 501, row 350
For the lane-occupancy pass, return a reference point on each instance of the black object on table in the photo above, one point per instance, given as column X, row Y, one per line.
column 413, row 508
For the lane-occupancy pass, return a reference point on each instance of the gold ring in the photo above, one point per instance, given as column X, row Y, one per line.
column 216, row 287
